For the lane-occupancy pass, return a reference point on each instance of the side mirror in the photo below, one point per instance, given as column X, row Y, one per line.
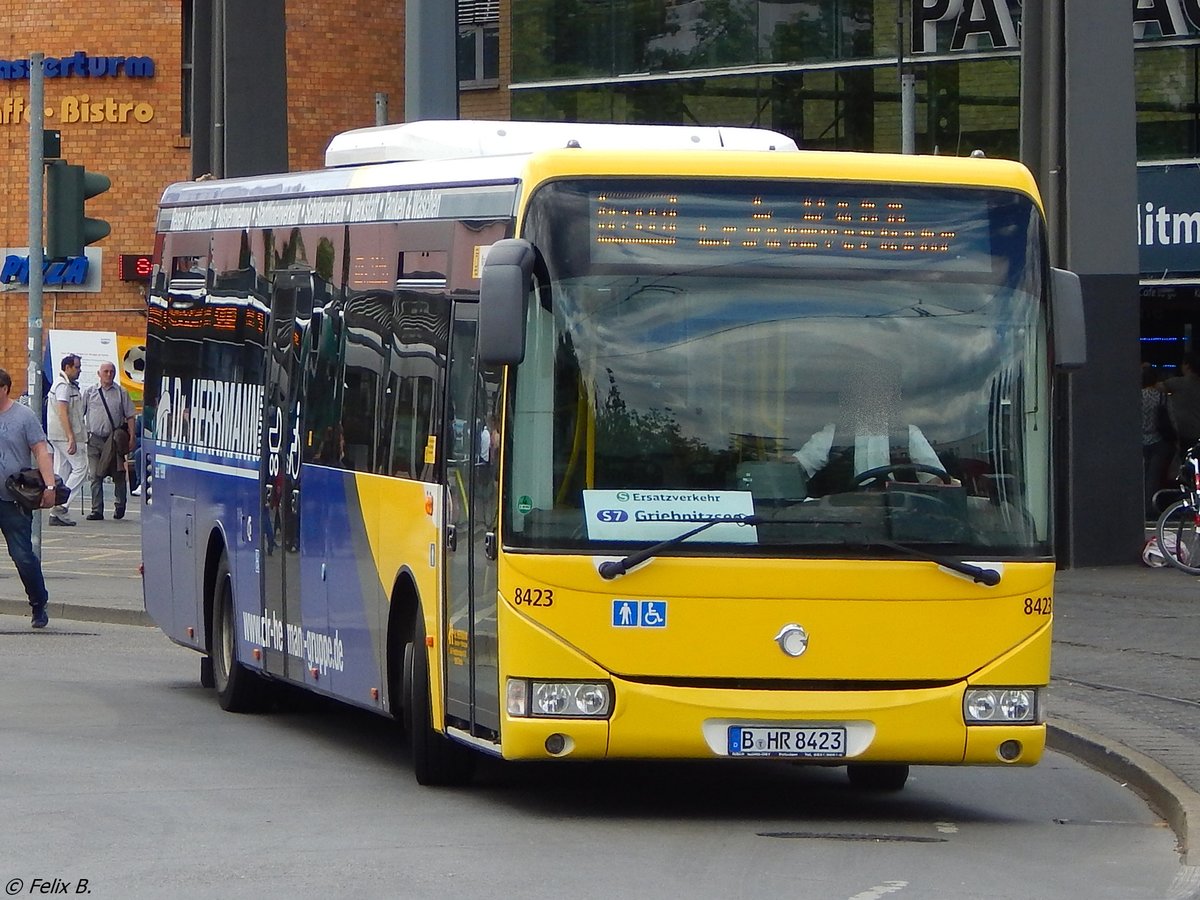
column 503, row 294
column 1066, row 314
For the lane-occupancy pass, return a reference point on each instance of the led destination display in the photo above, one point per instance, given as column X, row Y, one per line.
column 838, row 228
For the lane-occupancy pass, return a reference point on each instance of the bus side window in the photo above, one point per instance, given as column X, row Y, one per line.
column 420, row 331
column 323, row 387
column 420, row 328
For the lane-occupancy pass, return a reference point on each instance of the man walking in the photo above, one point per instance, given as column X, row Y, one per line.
column 64, row 422
column 21, row 435
column 107, row 407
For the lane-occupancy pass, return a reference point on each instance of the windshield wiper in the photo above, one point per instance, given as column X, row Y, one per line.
column 978, row 574
column 610, row 569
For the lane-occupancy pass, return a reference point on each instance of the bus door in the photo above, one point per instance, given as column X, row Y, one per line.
column 471, row 665
column 291, row 309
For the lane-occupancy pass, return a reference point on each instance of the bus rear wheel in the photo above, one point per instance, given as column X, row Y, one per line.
column 238, row 689
column 206, row 672
column 879, row 778
column 436, row 759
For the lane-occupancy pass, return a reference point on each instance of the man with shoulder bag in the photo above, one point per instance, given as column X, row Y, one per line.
column 21, row 435
column 110, row 418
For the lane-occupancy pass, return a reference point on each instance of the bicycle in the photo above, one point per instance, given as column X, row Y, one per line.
column 1178, row 529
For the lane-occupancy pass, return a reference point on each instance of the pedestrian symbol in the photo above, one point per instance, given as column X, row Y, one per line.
column 639, row 614
column 624, row 614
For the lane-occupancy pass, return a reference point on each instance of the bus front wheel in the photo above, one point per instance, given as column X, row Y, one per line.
column 436, row 759
column 880, row 778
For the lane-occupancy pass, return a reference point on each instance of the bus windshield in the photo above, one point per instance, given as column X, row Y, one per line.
column 836, row 369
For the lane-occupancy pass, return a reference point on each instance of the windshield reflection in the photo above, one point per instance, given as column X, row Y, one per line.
column 837, row 411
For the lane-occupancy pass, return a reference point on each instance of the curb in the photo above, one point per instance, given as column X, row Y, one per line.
column 80, row 612
column 1165, row 791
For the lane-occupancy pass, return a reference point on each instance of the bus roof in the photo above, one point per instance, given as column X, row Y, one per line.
column 535, row 151
column 463, row 138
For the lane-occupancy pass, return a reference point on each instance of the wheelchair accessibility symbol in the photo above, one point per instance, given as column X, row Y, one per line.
column 639, row 614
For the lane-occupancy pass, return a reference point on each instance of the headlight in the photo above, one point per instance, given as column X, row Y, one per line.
column 1001, row 706
column 558, row 699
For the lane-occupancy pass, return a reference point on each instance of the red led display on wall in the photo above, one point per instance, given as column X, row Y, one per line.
column 135, row 266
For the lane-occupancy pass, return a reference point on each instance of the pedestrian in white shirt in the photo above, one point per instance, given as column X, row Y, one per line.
column 67, row 431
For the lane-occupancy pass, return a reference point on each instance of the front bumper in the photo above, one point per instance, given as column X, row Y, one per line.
column 650, row 721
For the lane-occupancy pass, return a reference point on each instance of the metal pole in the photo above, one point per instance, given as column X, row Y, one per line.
column 908, row 113
column 381, row 108
column 1054, row 188
column 908, row 89
column 217, row 163
column 36, row 151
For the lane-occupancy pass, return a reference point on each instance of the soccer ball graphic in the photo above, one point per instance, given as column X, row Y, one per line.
column 133, row 366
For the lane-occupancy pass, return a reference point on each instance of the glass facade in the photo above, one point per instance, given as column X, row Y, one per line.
column 1168, row 101
column 825, row 73
column 555, row 39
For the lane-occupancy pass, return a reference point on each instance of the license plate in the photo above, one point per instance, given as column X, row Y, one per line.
column 755, row 740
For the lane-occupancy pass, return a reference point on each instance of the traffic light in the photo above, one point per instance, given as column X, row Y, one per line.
column 68, row 230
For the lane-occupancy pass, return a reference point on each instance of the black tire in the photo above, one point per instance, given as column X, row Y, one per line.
column 1179, row 537
column 878, row 778
column 206, row 672
column 238, row 689
column 437, row 760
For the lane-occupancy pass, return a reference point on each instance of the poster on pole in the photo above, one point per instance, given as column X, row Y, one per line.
column 92, row 348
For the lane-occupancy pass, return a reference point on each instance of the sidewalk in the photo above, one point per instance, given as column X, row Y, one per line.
column 1125, row 688
column 1125, row 684
column 91, row 570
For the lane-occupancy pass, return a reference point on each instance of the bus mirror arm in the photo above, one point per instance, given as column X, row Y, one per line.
column 503, row 294
column 1066, row 308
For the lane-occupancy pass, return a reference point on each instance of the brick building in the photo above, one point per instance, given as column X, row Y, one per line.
column 119, row 88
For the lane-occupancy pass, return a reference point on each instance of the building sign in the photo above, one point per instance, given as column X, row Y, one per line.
column 80, row 108
column 76, row 274
column 76, row 108
column 1168, row 220
column 1155, row 19
column 80, row 65
column 939, row 26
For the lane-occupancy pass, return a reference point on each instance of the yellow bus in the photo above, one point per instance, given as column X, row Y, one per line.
column 564, row 442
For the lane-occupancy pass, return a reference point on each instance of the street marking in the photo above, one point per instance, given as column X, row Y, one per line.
column 881, row 890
